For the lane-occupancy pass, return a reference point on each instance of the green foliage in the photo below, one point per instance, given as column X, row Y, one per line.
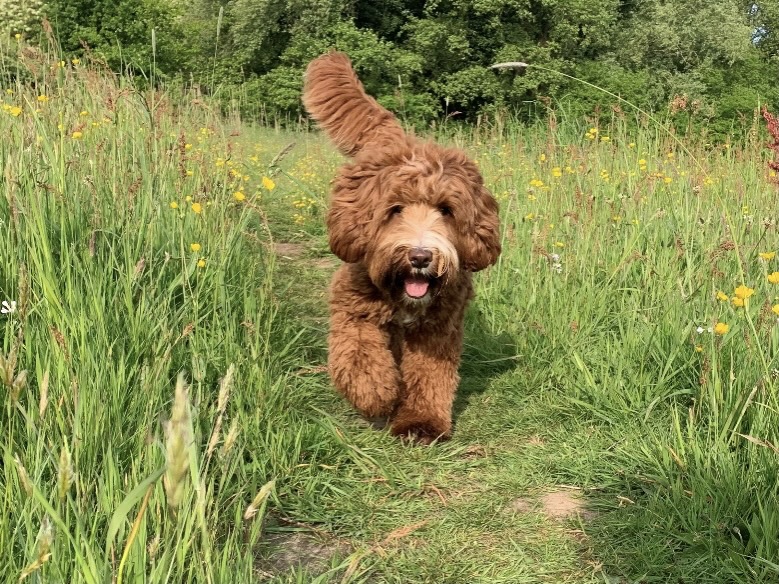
column 428, row 60
column 20, row 17
column 130, row 35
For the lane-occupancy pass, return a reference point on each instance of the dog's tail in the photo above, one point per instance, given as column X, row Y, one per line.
column 336, row 99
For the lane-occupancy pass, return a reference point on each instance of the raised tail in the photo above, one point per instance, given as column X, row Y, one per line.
column 336, row 99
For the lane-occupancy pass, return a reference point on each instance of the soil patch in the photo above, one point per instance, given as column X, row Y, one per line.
column 303, row 551
column 290, row 251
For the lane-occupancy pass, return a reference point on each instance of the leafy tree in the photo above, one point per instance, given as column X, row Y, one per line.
column 20, row 16
column 430, row 58
column 120, row 30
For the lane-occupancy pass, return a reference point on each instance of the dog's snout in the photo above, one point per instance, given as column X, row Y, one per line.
column 420, row 257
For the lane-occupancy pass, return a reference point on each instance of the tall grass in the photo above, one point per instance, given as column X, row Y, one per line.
column 113, row 305
column 162, row 409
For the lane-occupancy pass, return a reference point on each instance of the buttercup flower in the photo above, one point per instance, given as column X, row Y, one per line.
column 268, row 183
column 76, row 135
column 773, row 277
column 239, row 196
column 201, row 263
column 721, row 328
column 767, row 255
column 194, row 247
column 721, row 296
column 738, row 302
column 744, row 292
column 775, row 309
column 174, row 205
column 197, row 208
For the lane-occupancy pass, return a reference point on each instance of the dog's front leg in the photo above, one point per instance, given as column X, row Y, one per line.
column 429, row 365
column 361, row 364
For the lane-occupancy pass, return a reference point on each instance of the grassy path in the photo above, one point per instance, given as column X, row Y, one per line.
column 507, row 500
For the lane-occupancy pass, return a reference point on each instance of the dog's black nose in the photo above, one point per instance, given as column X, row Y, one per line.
column 420, row 257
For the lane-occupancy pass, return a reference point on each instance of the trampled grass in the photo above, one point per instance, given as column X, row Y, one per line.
column 165, row 272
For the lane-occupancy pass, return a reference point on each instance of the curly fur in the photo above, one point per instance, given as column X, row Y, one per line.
column 411, row 220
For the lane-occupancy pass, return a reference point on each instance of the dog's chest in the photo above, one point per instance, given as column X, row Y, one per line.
column 406, row 318
column 413, row 317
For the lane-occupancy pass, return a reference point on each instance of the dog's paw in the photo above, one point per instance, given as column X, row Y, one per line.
column 420, row 432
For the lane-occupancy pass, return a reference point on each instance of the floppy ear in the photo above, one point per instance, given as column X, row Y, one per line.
column 482, row 242
column 351, row 211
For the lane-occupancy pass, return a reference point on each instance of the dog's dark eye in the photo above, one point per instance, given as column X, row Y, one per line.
column 444, row 210
column 396, row 210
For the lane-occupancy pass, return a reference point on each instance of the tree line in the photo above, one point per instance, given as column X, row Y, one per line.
column 703, row 62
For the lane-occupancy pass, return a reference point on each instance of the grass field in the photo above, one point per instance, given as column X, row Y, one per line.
column 165, row 413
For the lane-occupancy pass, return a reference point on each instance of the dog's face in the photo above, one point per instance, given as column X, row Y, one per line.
column 416, row 218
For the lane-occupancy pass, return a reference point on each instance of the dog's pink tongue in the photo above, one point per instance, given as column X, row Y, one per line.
column 416, row 287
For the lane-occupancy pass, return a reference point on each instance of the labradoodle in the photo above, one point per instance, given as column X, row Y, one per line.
column 411, row 220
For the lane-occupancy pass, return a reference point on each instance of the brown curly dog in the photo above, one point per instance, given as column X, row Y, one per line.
column 411, row 220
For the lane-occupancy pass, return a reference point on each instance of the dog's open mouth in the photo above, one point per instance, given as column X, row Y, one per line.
column 416, row 286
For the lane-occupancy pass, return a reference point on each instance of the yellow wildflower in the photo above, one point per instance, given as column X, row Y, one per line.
column 195, row 247
column 744, row 292
column 15, row 111
column 239, row 196
column 775, row 309
column 174, row 205
column 773, row 277
column 201, row 263
column 721, row 328
column 43, row 98
column 197, row 208
column 767, row 255
column 76, row 135
column 738, row 302
column 75, row 61
column 721, row 296
column 268, row 183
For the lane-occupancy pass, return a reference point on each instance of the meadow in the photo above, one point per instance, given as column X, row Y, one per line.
column 165, row 412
